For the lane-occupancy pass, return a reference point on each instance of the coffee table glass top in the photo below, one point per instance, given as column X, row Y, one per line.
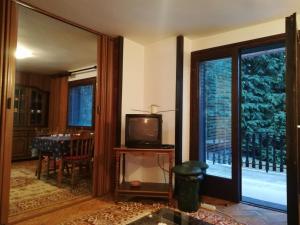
column 168, row 217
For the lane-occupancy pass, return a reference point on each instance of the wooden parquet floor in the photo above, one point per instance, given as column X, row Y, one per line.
column 243, row 213
column 248, row 214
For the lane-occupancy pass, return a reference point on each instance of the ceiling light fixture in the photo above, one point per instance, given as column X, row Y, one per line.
column 22, row 52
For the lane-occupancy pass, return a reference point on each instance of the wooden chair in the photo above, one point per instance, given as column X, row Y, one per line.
column 80, row 155
column 44, row 156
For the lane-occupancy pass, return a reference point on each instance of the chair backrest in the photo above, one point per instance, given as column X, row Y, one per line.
column 41, row 132
column 82, row 145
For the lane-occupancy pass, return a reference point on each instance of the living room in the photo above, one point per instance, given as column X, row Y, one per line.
column 149, row 77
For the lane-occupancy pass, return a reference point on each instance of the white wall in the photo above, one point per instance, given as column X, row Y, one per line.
column 160, row 89
column 155, row 84
column 149, row 77
column 133, row 80
column 186, row 100
column 243, row 34
column 132, row 96
column 160, row 82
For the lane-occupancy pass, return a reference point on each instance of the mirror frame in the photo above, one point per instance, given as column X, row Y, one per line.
column 107, row 106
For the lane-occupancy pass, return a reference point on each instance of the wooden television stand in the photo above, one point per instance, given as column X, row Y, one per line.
column 146, row 189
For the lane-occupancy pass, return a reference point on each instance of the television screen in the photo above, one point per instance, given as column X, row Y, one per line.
column 143, row 130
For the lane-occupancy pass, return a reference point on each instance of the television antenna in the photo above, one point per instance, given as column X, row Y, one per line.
column 154, row 110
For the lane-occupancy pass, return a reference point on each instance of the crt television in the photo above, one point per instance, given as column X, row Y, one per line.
column 143, row 130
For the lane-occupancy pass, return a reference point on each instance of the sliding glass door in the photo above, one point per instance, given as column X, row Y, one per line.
column 263, row 125
column 238, row 121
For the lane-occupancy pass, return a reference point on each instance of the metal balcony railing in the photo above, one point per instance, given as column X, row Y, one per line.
column 260, row 151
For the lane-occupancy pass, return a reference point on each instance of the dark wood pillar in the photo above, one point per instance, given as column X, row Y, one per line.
column 292, row 120
column 179, row 99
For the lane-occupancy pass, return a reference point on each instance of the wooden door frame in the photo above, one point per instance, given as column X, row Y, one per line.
column 8, row 29
column 107, row 104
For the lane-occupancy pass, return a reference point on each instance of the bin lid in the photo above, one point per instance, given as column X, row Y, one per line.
column 200, row 164
column 187, row 170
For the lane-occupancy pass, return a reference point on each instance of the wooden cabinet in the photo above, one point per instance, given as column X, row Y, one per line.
column 30, row 112
column 20, row 145
column 146, row 189
column 30, row 107
column 38, row 108
column 20, row 107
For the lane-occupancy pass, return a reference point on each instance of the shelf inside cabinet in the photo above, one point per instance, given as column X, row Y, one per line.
column 145, row 188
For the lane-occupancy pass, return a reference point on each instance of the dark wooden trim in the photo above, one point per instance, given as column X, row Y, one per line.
column 179, row 99
column 291, row 120
column 211, row 185
column 220, row 52
column 118, row 63
column 194, row 110
column 235, row 123
column 75, row 83
column 8, row 43
column 39, row 10
column 298, row 103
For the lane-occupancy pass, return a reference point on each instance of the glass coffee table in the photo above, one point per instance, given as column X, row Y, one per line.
column 167, row 216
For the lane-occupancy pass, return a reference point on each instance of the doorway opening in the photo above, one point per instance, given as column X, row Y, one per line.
column 241, row 122
column 263, row 126
column 53, row 120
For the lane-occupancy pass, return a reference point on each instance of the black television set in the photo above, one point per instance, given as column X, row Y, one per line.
column 143, row 130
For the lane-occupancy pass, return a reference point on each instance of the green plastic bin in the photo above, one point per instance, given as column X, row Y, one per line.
column 188, row 177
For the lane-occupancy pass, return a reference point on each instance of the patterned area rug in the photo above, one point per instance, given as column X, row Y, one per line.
column 30, row 197
column 126, row 212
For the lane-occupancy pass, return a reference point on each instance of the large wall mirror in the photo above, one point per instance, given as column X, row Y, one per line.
column 54, row 101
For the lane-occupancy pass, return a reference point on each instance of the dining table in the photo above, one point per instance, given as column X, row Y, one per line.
column 55, row 145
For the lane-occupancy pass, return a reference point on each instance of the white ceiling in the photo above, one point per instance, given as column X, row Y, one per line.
column 146, row 21
column 56, row 46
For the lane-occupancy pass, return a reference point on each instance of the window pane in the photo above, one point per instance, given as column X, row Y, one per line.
column 215, row 115
column 80, row 106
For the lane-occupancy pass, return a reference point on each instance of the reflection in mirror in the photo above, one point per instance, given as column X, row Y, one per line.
column 49, row 168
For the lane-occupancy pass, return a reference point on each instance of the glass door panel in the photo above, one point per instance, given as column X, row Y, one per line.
column 263, row 126
column 215, row 115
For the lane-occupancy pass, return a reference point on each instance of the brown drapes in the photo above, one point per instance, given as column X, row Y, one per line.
column 58, row 103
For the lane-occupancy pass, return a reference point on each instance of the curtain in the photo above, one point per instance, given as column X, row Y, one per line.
column 105, row 118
